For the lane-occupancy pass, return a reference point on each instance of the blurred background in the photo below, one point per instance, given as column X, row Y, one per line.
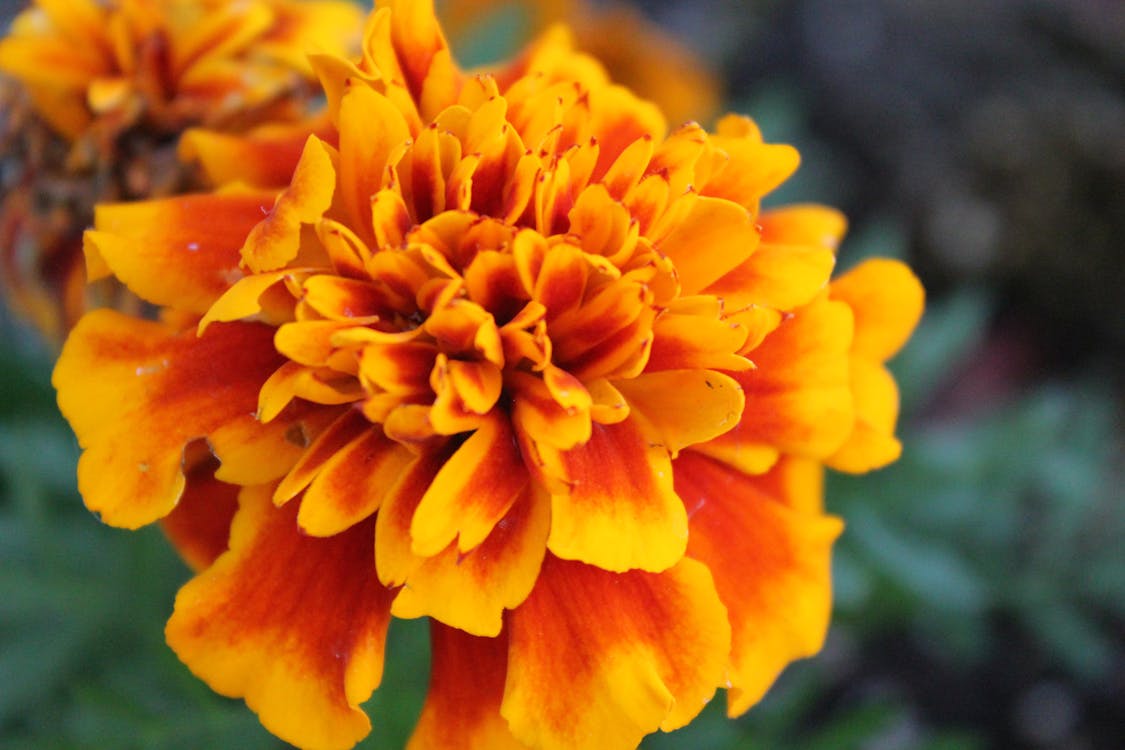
column 980, row 584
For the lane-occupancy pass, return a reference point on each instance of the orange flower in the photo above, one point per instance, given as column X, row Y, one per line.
column 505, row 354
column 96, row 95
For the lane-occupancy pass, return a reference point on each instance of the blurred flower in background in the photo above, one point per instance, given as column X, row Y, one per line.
column 95, row 96
column 979, row 586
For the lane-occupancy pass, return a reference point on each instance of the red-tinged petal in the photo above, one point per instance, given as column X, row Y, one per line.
column 769, row 554
column 783, row 277
column 199, row 525
column 309, row 342
column 119, row 378
column 276, row 239
column 471, row 590
column 798, row 399
column 339, row 298
column 462, row 710
column 246, row 299
column 539, row 417
column 347, row 427
column 371, row 127
column 351, row 484
column 393, row 557
column 684, row 407
column 637, row 651
column 265, row 157
column 803, row 224
column 472, row 492
column 872, row 443
column 181, row 252
column 684, row 341
column 616, row 508
column 255, row 453
column 714, row 237
column 293, row 624
column 887, row 300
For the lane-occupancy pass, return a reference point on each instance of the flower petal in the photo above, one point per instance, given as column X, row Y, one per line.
column 472, row 492
column 614, row 506
column 783, row 277
column 798, row 399
column 199, row 525
column 181, row 252
column 462, row 710
column 136, row 393
column 293, row 624
column 803, row 224
column 714, row 237
column 470, row 591
column 685, row 407
column 351, row 484
column 276, row 239
column 887, row 300
column 872, row 443
column 636, row 651
column 770, row 558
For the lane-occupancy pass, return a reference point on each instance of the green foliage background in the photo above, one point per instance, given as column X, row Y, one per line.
column 980, row 584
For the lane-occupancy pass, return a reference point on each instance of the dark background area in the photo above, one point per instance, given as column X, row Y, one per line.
column 980, row 584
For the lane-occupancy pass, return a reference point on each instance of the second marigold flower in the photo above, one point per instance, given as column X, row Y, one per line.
column 505, row 353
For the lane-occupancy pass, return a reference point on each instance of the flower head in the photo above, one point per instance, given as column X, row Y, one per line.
column 506, row 353
column 98, row 92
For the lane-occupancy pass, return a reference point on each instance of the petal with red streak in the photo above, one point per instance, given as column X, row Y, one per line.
column 472, row 492
column 462, row 710
column 181, row 252
column 276, row 239
column 293, row 624
column 612, row 502
column 199, row 525
column 636, row 651
column 470, row 591
column 798, row 399
column 769, row 555
column 136, row 393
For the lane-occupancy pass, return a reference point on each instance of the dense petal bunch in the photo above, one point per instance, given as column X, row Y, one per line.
column 95, row 95
column 505, row 353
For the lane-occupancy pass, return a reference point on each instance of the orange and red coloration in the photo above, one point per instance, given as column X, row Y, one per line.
column 96, row 94
column 506, row 353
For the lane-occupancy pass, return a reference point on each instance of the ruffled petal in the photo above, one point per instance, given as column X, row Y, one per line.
column 462, row 710
column 887, row 300
column 470, row 591
column 636, row 652
column 181, row 252
column 154, row 391
column 769, row 554
column 293, row 624
column 612, row 502
column 872, row 443
column 798, row 399
column 472, row 492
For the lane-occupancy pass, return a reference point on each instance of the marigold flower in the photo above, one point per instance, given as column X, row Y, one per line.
column 96, row 95
column 504, row 353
